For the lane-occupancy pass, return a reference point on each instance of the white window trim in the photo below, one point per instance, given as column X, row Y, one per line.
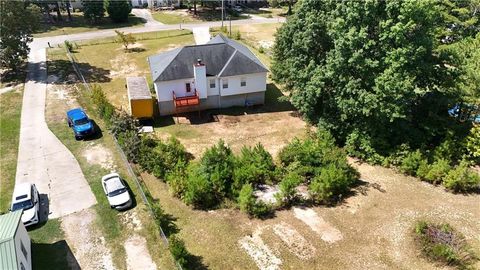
column 214, row 83
column 243, row 80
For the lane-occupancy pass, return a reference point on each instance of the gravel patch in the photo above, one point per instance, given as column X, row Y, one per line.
column 138, row 256
column 327, row 232
column 296, row 243
column 260, row 252
column 99, row 155
column 89, row 247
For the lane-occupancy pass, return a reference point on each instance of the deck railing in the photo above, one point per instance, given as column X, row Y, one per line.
column 186, row 100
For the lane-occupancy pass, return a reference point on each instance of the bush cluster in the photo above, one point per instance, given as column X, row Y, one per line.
column 437, row 168
column 320, row 163
column 441, row 243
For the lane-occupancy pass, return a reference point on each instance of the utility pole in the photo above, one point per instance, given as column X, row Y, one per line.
column 230, row 18
column 222, row 12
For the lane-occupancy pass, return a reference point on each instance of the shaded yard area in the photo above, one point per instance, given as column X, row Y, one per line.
column 79, row 25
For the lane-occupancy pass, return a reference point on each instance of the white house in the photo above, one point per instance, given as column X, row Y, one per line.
column 15, row 245
column 222, row 73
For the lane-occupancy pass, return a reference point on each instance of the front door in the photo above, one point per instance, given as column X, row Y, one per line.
column 188, row 87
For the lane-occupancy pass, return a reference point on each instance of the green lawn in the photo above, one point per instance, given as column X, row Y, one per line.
column 10, row 111
column 172, row 17
column 203, row 15
column 109, row 70
column 79, row 25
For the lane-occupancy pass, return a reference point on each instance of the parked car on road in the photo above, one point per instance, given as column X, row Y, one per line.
column 25, row 196
column 116, row 191
column 80, row 123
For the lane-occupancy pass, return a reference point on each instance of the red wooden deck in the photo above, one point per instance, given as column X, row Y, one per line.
column 186, row 101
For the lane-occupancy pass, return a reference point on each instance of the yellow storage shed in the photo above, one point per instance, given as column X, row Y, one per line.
column 139, row 97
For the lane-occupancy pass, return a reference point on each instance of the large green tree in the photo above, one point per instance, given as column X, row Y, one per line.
column 18, row 20
column 366, row 70
column 93, row 10
column 118, row 10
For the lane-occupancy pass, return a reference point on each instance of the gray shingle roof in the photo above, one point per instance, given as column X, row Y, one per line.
column 138, row 88
column 178, row 63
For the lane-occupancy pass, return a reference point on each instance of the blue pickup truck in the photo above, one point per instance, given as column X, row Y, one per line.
column 80, row 123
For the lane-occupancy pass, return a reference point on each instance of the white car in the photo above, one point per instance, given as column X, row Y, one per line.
column 25, row 197
column 116, row 191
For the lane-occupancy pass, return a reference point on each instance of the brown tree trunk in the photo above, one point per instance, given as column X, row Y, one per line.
column 68, row 11
column 194, row 7
column 59, row 14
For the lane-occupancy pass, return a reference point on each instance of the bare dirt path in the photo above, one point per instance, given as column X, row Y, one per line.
column 89, row 247
column 138, row 256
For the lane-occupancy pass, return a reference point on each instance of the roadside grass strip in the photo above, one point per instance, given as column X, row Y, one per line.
column 296, row 243
column 260, row 252
column 327, row 232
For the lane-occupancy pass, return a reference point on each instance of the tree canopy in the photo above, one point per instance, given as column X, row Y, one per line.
column 93, row 10
column 118, row 10
column 369, row 71
column 17, row 23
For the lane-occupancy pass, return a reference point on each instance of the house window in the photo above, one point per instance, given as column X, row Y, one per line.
column 225, row 83
column 187, row 86
column 212, row 83
column 243, row 81
column 24, row 251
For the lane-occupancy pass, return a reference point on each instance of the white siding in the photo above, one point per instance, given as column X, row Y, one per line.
column 21, row 236
column 215, row 90
column 200, row 73
column 255, row 83
column 164, row 89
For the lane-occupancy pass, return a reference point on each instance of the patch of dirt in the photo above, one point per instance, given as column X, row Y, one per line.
column 122, row 66
column 267, row 44
column 138, row 256
column 131, row 220
column 327, row 232
column 259, row 251
column 98, row 154
column 62, row 98
column 89, row 247
column 266, row 193
column 273, row 130
column 295, row 242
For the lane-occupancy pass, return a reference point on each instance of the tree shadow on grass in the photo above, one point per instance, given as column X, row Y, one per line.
column 136, row 50
column 195, row 263
column 57, row 255
column 78, row 21
column 63, row 68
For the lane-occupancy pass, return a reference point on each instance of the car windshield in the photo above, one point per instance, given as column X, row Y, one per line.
column 116, row 192
column 27, row 204
column 82, row 121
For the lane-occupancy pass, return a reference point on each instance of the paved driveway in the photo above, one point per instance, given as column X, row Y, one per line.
column 201, row 34
column 42, row 158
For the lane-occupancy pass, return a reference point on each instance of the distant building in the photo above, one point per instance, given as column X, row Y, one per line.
column 15, row 244
column 220, row 74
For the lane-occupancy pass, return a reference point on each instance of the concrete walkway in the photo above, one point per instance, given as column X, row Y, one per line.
column 42, row 158
column 201, row 34
column 147, row 16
